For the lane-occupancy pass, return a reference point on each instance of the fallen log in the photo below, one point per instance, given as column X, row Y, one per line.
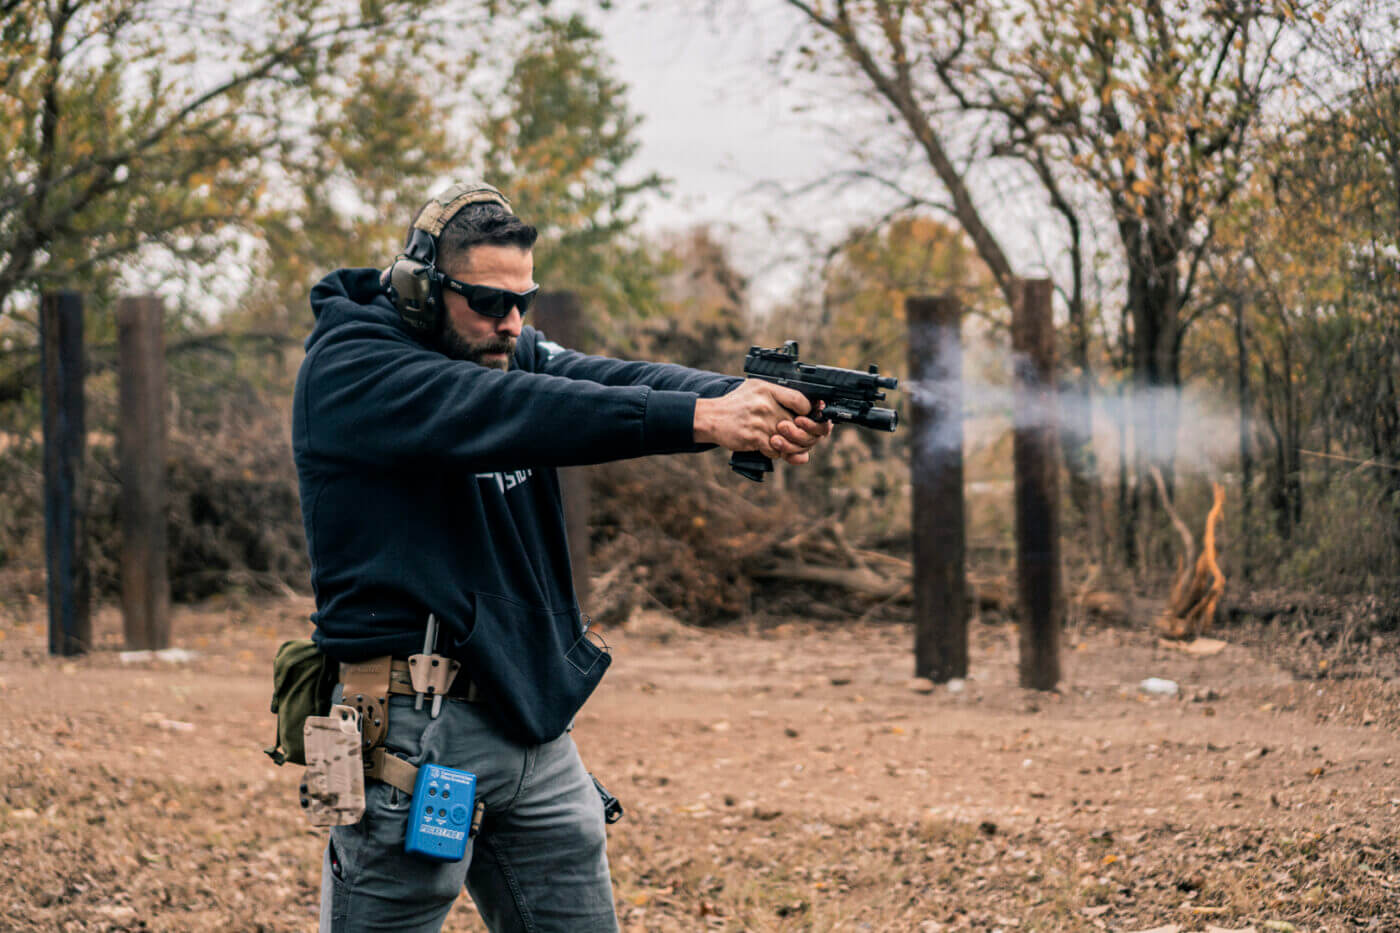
column 821, row 554
column 996, row 594
column 1105, row 606
column 853, row 579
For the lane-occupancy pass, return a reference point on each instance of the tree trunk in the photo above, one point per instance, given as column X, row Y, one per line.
column 1158, row 374
column 1077, row 447
column 1154, row 303
column 1293, row 451
column 1076, row 414
column 1127, row 493
column 1246, row 454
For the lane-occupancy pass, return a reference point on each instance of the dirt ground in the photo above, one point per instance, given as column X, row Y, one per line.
column 776, row 778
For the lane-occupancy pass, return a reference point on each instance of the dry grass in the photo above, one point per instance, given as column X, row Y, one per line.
column 779, row 780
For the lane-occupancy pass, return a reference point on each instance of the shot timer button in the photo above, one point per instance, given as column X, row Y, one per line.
column 459, row 814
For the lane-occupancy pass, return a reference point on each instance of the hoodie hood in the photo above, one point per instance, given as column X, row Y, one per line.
column 351, row 295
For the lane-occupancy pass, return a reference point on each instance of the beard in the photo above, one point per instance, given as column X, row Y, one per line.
column 477, row 351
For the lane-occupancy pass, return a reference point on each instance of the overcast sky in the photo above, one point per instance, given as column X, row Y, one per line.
column 717, row 123
column 730, row 136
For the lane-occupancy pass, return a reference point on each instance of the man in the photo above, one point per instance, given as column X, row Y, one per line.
column 428, row 423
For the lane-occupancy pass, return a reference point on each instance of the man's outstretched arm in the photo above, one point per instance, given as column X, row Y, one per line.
column 542, row 355
column 736, row 414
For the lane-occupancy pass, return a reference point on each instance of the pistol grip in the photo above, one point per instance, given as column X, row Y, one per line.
column 751, row 464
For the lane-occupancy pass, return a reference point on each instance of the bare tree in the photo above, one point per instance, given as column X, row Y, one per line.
column 1143, row 116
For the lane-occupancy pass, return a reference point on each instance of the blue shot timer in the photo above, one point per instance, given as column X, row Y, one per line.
column 439, row 820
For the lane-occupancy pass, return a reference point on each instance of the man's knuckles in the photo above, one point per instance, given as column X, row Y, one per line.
column 789, row 399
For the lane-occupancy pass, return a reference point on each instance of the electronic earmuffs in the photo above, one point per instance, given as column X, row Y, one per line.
column 413, row 282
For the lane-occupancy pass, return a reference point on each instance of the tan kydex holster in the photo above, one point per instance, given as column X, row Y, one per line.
column 333, row 787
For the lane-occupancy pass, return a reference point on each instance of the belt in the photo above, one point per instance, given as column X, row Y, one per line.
column 365, row 688
column 401, row 683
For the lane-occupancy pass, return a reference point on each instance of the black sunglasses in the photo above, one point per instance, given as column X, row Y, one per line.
column 492, row 302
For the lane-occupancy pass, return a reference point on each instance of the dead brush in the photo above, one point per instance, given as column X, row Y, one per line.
column 1198, row 582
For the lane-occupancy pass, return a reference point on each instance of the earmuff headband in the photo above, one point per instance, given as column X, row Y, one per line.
column 433, row 218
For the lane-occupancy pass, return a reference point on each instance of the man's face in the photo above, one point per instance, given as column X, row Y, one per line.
column 470, row 336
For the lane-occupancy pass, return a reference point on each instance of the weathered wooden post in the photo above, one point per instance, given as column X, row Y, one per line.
column 65, row 439
column 1040, row 590
column 936, row 474
column 141, row 456
column 559, row 316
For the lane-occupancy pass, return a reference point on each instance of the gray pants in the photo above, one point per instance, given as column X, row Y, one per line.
column 539, row 862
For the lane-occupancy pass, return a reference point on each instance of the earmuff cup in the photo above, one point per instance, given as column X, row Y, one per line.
column 414, row 291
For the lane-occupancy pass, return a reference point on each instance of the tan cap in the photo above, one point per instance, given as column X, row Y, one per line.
column 446, row 203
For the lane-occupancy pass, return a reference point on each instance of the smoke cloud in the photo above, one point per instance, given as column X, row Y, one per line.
column 1202, row 422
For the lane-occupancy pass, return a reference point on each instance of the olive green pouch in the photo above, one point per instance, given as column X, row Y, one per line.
column 302, row 681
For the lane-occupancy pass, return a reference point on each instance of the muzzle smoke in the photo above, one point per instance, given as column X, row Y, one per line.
column 1192, row 430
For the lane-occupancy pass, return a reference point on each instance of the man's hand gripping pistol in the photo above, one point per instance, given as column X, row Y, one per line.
column 850, row 396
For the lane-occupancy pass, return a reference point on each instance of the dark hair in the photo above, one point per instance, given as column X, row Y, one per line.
column 476, row 224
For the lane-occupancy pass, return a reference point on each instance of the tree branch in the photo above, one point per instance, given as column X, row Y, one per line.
column 897, row 91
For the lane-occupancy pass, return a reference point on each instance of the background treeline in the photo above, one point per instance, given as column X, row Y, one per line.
column 1217, row 194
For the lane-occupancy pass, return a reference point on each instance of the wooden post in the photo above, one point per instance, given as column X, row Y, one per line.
column 936, row 474
column 141, row 456
column 560, row 318
column 1039, row 583
column 65, row 439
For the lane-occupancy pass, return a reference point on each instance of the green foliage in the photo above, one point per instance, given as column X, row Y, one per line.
column 558, row 139
column 382, row 142
column 154, row 151
column 866, row 283
column 138, row 137
column 1345, row 542
column 555, row 134
column 267, row 151
column 704, row 316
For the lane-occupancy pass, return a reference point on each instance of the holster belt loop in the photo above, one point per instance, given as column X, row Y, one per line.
column 365, row 686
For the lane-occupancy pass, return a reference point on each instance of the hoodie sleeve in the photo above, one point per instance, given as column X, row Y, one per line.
column 370, row 395
column 555, row 360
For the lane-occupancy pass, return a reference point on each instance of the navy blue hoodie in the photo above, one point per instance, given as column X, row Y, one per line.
column 428, row 484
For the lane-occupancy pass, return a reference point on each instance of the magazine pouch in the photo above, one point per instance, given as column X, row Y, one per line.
column 302, row 681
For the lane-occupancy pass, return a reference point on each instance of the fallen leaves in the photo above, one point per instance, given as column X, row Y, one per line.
column 908, row 813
